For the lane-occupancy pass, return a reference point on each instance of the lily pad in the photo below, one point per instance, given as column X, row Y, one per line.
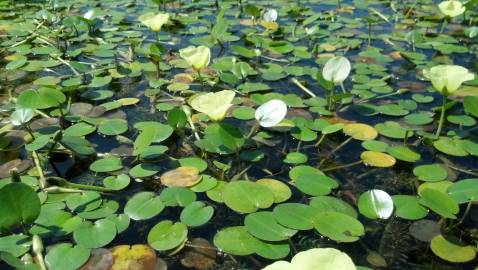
column 339, row 227
column 452, row 252
column 181, row 177
column 167, row 235
column 375, row 204
column 377, row 159
column 440, row 203
column 196, row 214
column 20, row 205
column 144, row 205
column 95, row 235
column 264, row 226
column 246, row 196
column 361, row 132
column 65, row 256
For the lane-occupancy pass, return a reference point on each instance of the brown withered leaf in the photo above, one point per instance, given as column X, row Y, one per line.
column 181, row 177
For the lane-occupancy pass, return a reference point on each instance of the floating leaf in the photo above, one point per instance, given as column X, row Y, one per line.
column 20, row 205
column 408, row 207
column 66, row 257
column 375, row 204
column 113, row 127
column 246, row 197
column 133, row 257
column 235, row 241
column 377, row 159
column 95, row 235
column 361, row 132
column 296, row 216
column 464, row 190
column 143, row 205
column 439, row 202
column 316, row 259
column 107, row 164
column 264, row 226
column 280, row 190
column 452, row 252
column 181, row 177
column 430, row 173
column 167, row 235
column 339, row 227
column 196, row 214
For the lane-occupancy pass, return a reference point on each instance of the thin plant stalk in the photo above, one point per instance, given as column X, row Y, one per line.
column 442, row 118
column 335, row 150
column 342, row 87
column 199, row 76
column 302, row 87
column 254, row 128
column 343, row 166
column 444, row 24
column 320, row 140
column 41, row 181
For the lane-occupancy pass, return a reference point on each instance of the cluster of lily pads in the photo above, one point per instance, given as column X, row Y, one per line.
column 238, row 134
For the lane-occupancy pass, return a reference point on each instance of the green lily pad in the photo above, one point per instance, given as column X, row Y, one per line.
column 439, row 203
column 117, row 182
column 15, row 244
column 107, row 164
column 296, row 216
column 144, row 205
column 85, row 201
column 451, row 252
column 235, row 241
column 280, row 190
column 144, row 170
column 196, row 214
column 264, row 226
column 95, row 235
column 246, row 196
column 177, row 196
column 408, row 207
column 403, row 153
column 167, row 235
column 339, row 227
column 375, row 204
column 450, row 147
column 20, row 205
column 296, row 158
column 332, row 204
column 113, row 127
column 430, row 173
column 65, row 256
column 464, row 190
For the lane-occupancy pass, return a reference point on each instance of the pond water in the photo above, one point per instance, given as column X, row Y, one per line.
column 386, row 191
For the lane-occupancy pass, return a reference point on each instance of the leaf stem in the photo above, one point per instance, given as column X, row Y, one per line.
column 42, row 180
column 343, row 166
column 442, row 118
column 335, row 150
column 302, row 87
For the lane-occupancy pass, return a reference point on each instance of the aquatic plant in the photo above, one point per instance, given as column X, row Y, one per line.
column 251, row 159
column 446, row 79
column 214, row 105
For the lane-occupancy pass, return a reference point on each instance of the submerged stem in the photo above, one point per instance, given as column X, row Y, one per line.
column 343, row 166
column 335, row 150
